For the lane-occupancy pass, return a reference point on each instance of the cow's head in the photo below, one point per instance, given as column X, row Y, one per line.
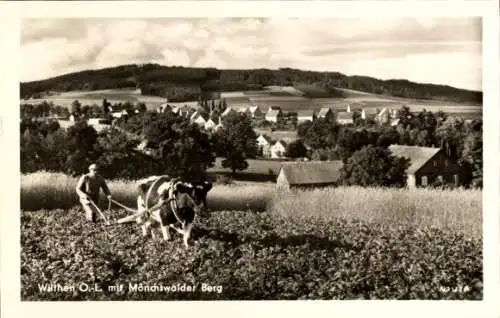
column 197, row 192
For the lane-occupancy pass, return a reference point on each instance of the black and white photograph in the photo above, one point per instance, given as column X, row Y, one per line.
column 215, row 158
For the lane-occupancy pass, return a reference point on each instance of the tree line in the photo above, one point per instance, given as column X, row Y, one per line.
column 186, row 83
column 178, row 147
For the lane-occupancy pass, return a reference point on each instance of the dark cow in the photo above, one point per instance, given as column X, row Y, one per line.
column 175, row 202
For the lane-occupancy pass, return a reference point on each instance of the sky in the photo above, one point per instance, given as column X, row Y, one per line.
column 445, row 50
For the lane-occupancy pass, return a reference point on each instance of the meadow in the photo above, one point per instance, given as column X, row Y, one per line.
column 258, row 243
column 286, row 97
column 95, row 97
column 258, row 170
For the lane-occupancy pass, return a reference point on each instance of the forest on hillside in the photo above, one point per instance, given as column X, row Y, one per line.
column 180, row 84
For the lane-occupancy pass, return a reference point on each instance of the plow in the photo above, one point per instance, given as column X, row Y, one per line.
column 135, row 214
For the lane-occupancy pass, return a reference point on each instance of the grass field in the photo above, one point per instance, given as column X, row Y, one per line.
column 287, row 97
column 344, row 243
column 44, row 190
column 458, row 210
column 95, row 97
column 258, row 170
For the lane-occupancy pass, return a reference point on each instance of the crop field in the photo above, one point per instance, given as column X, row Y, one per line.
column 256, row 243
column 286, row 97
column 95, row 97
column 290, row 99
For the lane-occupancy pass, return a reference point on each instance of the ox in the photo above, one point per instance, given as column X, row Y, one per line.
column 174, row 202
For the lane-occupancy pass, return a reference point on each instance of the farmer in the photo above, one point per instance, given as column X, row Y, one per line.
column 88, row 189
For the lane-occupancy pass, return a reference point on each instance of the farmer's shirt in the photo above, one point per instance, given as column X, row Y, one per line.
column 91, row 186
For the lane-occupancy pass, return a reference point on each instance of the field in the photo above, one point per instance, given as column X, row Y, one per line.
column 343, row 243
column 95, row 97
column 258, row 170
column 288, row 98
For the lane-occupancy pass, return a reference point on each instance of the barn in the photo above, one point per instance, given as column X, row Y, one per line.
column 310, row 174
column 428, row 166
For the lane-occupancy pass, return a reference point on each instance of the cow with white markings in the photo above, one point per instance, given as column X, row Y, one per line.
column 169, row 202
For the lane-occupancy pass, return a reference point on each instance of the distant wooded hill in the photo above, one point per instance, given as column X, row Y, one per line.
column 187, row 84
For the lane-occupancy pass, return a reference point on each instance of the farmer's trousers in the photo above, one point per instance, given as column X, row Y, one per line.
column 90, row 210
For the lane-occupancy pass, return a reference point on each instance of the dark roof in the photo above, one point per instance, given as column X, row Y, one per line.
column 419, row 156
column 267, row 138
column 202, row 115
column 312, row 172
column 273, row 113
column 324, row 111
column 282, row 142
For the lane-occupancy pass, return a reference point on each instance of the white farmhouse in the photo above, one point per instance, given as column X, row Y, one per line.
column 264, row 145
column 278, row 150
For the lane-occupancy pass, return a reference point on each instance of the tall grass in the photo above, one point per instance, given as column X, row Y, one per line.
column 459, row 210
column 42, row 190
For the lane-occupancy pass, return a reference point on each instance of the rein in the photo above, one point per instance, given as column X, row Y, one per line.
column 171, row 200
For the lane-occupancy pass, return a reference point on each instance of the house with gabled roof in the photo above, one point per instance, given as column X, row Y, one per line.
column 383, row 116
column 274, row 115
column 278, row 149
column 165, row 107
column 309, row 174
column 119, row 113
column 395, row 122
column 194, row 115
column 219, row 124
column 428, row 165
column 227, row 111
column 264, row 143
column 210, row 124
column 200, row 120
column 255, row 112
column 243, row 110
column 325, row 113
